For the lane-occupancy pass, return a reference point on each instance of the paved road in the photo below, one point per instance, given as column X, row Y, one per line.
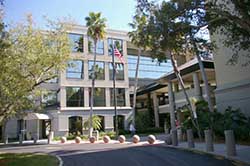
column 143, row 156
column 121, row 155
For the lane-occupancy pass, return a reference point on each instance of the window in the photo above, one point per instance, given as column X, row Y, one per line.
column 49, row 98
column 53, row 80
column 119, row 71
column 76, row 42
column 99, row 70
column 120, row 97
column 75, row 69
column 75, row 97
column 114, row 42
column 99, row 46
column 148, row 67
column 99, row 97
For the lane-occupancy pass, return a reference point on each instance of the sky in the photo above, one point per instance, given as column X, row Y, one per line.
column 117, row 12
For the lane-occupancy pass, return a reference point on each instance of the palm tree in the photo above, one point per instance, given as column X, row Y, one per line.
column 139, row 39
column 96, row 30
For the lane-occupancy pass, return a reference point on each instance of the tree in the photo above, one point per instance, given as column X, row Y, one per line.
column 168, row 28
column 29, row 58
column 231, row 18
column 140, row 40
column 96, row 30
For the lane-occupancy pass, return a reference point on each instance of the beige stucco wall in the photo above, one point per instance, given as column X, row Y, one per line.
column 233, row 81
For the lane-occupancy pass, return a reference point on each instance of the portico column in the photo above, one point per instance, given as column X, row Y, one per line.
column 62, row 96
column 156, row 108
column 197, row 87
column 171, row 105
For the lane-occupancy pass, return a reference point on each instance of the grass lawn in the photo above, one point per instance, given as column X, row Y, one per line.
column 27, row 159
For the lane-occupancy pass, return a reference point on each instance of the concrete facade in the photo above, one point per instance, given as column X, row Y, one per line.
column 59, row 115
column 233, row 81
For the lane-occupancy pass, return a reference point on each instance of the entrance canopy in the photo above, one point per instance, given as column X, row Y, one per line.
column 36, row 116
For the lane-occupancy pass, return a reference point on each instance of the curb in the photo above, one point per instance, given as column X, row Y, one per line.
column 59, row 159
column 237, row 161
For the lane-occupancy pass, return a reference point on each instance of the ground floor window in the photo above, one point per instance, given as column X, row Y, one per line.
column 75, row 125
column 121, row 120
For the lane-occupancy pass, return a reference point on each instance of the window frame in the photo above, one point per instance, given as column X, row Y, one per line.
column 90, row 69
column 80, row 100
column 95, row 97
column 111, row 72
column 112, row 98
column 45, row 104
column 97, row 48
column 115, row 39
column 72, row 50
column 74, row 72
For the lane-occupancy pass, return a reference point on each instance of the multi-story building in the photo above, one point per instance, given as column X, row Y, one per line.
column 165, row 95
column 67, row 99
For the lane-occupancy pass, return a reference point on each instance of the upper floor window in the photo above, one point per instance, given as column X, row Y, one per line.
column 115, row 42
column 76, row 42
column 75, row 69
column 99, row 70
column 99, row 46
column 49, row 98
column 74, row 97
column 119, row 71
column 53, row 80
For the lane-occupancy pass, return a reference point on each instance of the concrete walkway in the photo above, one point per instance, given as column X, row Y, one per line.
column 243, row 151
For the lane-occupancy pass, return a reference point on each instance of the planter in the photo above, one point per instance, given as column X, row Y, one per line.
column 78, row 140
column 136, row 139
column 106, row 139
column 63, row 139
column 151, row 139
column 122, row 139
column 92, row 139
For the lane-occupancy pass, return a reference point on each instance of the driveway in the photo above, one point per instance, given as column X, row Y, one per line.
column 116, row 154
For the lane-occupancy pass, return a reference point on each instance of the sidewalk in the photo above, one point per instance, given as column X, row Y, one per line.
column 25, row 143
column 242, row 151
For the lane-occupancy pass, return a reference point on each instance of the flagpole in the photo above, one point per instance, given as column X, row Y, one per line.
column 114, row 93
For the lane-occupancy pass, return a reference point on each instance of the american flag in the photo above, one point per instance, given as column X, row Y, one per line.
column 118, row 55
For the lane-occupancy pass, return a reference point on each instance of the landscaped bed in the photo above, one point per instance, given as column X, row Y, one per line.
column 27, row 159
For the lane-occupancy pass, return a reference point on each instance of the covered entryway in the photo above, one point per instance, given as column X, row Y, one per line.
column 37, row 125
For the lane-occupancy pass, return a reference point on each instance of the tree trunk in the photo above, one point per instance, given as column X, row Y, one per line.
column 204, row 77
column 180, row 80
column 92, row 93
column 135, row 86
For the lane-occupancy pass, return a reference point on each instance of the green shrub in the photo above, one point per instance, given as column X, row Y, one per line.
column 124, row 132
column 71, row 137
column 142, row 120
column 56, row 138
column 96, row 123
column 111, row 134
column 231, row 119
column 84, row 137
